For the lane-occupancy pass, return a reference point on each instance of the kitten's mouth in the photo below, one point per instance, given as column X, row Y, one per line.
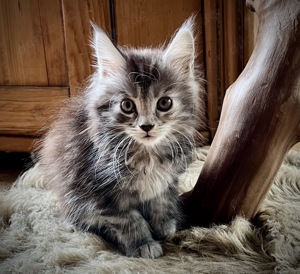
column 148, row 139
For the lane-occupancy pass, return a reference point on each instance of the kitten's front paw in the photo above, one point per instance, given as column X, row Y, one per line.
column 150, row 250
column 164, row 230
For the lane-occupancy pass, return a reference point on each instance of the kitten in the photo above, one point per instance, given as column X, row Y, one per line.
column 115, row 153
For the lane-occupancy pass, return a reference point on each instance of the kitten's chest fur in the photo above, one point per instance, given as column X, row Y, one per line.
column 150, row 176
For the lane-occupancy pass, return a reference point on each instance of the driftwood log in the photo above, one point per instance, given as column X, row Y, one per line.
column 259, row 121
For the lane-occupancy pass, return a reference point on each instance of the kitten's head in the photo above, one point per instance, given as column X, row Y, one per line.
column 149, row 94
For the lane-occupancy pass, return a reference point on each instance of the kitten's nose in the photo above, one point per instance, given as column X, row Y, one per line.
column 146, row 128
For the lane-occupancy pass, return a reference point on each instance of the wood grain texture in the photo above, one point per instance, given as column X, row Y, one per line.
column 77, row 16
column 50, row 13
column 24, row 111
column 231, row 42
column 259, row 122
column 211, row 63
column 250, row 33
column 21, row 44
column 32, row 43
column 228, row 45
column 151, row 23
column 17, row 143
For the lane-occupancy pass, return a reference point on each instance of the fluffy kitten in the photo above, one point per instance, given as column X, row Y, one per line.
column 115, row 153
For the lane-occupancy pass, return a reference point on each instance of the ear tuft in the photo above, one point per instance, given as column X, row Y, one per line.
column 180, row 53
column 109, row 60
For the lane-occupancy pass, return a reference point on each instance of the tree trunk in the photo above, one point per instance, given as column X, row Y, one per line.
column 259, row 121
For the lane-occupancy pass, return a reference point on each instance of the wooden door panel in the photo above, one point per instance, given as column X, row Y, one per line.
column 32, row 43
column 51, row 17
column 77, row 17
column 25, row 111
column 21, row 44
column 151, row 23
column 18, row 143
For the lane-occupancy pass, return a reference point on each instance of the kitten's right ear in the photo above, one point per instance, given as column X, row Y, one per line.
column 108, row 58
column 180, row 53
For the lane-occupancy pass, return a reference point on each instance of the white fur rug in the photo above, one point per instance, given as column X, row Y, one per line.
column 34, row 239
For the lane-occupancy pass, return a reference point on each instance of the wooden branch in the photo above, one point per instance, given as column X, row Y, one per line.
column 260, row 121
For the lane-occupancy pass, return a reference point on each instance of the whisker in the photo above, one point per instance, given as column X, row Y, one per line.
column 116, row 163
column 183, row 153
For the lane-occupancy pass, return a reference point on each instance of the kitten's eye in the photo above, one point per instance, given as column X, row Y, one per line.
column 127, row 106
column 164, row 104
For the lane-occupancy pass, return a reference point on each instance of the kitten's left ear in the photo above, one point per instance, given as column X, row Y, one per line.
column 109, row 60
column 180, row 53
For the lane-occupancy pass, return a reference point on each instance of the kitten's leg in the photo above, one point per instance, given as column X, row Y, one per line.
column 163, row 213
column 129, row 232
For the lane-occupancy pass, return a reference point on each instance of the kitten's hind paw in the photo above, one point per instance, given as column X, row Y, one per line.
column 150, row 250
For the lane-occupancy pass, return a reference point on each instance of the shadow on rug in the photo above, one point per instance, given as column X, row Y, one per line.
column 34, row 239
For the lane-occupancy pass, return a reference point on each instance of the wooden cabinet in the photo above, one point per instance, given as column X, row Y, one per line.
column 44, row 58
column 45, row 54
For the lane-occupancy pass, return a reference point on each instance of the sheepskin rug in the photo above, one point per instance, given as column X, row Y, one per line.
column 35, row 239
